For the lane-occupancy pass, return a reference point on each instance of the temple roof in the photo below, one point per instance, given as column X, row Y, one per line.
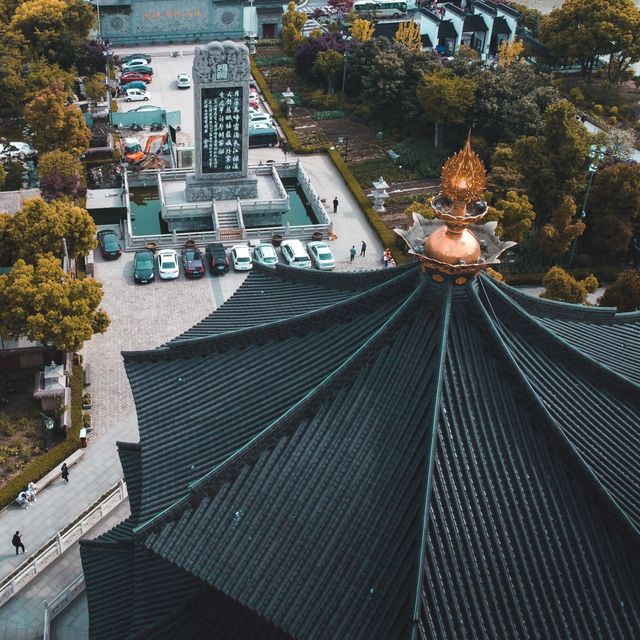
column 390, row 454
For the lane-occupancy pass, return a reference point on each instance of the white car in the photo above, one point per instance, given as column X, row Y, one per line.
column 265, row 254
column 135, row 95
column 241, row 258
column 295, row 255
column 321, row 255
column 132, row 65
column 183, row 81
column 16, row 151
column 168, row 267
column 260, row 118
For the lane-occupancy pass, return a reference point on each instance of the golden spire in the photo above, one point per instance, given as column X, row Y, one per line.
column 459, row 205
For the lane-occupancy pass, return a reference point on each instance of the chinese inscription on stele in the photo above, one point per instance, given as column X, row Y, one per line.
column 222, row 129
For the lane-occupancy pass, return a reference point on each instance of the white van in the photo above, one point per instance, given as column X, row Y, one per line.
column 135, row 95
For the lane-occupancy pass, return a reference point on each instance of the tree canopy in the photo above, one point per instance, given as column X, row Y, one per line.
column 43, row 304
column 55, row 124
column 61, row 175
column 445, row 98
column 514, row 215
column 361, row 30
column 329, row 64
column 556, row 237
column 624, row 293
column 408, row 35
column 587, row 29
column 560, row 285
column 291, row 33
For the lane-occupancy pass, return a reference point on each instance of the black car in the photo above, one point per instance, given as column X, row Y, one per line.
column 217, row 258
column 143, row 271
column 193, row 263
column 109, row 244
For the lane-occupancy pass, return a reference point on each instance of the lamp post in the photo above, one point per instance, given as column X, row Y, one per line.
column 99, row 27
column 344, row 78
column 596, row 155
column 47, row 425
column 345, row 141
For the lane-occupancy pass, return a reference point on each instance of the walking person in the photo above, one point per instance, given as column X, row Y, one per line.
column 335, row 205
column 64, row 472
column 353, row 252
column 17, row 542
column 363, row 249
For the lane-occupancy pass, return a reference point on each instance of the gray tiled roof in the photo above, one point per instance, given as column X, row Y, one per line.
column 423, row 461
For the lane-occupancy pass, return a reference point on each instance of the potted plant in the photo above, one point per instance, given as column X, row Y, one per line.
column 86, row 400
column 86, row 420
column 151, row 246
column 190, row 244
column 316, row 235
column 276, row 239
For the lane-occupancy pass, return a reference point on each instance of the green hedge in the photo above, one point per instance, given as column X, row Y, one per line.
column 39, row 467
column 603, row 273
column 387, row 237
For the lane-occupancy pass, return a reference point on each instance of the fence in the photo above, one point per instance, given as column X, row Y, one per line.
column 63, row 540
column 60, row 602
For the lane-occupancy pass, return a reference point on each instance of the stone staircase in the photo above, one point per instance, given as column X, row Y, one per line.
column 229, row 226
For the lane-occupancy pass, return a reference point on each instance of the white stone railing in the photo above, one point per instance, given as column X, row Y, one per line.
column 62, row 541
column 60, row 602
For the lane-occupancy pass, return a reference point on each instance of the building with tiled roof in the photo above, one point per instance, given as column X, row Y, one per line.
column 411, row 453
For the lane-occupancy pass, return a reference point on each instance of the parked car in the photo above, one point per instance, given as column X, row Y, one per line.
column 134, row 56
column 321, row 255
column 146, row 107
column 217, row 258
column 135, row 95
column 183, row 81
column 193, row 263
column 265, row 254
column 143, row 271
column 260, row 118
column 134, row 84
column 16, row 151
column 254, row 103
column 168, row 267
column 109, row 244
column 241, row 257
column 135, row 76
column 295, row 255
column 262, row 135
column 135, row 65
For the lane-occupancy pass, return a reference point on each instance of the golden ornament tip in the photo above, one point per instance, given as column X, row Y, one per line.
column 463, row 175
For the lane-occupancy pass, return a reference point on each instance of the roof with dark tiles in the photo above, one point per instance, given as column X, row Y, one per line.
column 425, row 460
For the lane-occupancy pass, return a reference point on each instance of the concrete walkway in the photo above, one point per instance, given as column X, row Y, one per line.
column 22, row 618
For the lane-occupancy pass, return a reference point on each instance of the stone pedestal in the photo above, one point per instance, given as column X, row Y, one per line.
column 204, row 190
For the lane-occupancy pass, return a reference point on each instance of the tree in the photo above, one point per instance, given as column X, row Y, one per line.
column 556, row 237
column 514, row 215
column 586, row 30
column 3, row 175
column 292, row 23
column 385, row 75
column 13, row 57
column 408, row 35
column 329, row 64
column 61, row 175
column 14, row 176
column 95, row 87
column 42, row 74
column 362, row 30
column 56, row 125
column 445, row 99
column 560, row 285
column 40, row 227
column 54, row 29
column 554, row 164
column 614, row 205
column 528, row 18
column 504, row 175
column 624, row 293
column 44, row 304
column 308, row 51
column 510, row 52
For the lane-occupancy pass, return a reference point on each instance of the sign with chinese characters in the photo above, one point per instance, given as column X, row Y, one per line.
column 222, row 127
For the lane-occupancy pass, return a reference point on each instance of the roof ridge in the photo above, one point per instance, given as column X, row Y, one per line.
column 229, row 337
column 549, row 333
column 223, row 469
column 442, row 352
column 557, row 431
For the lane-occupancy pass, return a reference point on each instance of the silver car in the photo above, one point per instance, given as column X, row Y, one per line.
column 321, row 256
column 265, row 254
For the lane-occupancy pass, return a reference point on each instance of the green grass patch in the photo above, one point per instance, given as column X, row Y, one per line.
column 368, row 170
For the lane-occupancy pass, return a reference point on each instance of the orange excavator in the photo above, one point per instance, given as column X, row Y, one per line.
column 133, row 152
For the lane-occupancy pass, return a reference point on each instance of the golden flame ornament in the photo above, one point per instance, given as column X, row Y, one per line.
column 463, row 176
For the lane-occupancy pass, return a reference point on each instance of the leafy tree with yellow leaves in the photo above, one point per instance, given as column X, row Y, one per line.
column 41, row 227
column 292, row 23
column 362, row 30
column 328, row 64
column 408, row 34
column 560, row 285
column 44, row 304
column 514, row 215
column 555, row 238
column 55, row 124
column 624, row 293
column 61, row 175
column 510, row 52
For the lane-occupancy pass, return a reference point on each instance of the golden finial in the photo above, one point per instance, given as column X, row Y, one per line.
column 463, row 176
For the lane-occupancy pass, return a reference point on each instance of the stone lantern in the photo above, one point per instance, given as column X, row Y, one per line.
column 379, row 194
